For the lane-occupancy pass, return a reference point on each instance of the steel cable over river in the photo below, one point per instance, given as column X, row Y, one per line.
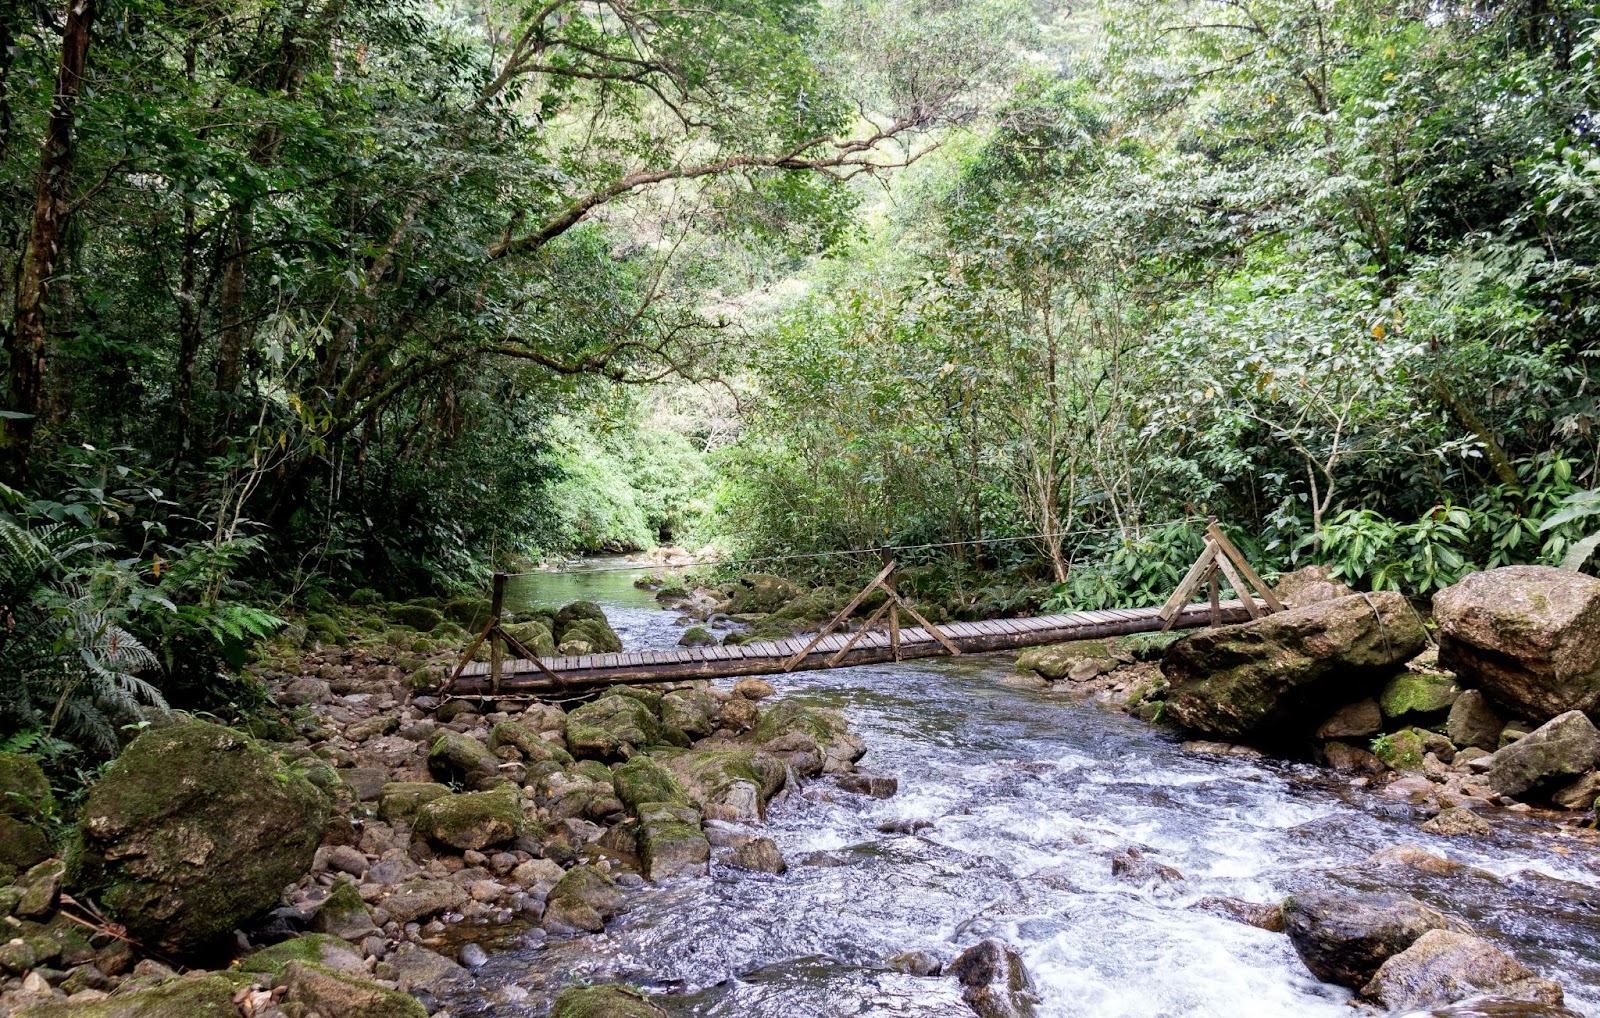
column 1012, row 807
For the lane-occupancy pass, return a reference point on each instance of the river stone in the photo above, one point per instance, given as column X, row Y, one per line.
column 869, row 784
column 670, row 843
column 1457, row 821
column 1412, row 695
column 1580, row 795
column 690, row 711
column 535, row 637
column 1262, row 917
column 421, row 899
column 532, row 748
column 1268, row 677
column 732, row 783
column 1056, row 661
column 604, row 1002
column 472, row 820
column 1353, row 721
column 581, row 901
column 760, row 855
column 1528, row 636
column 459, row 758
column 1341, row 756
column 323, row 991
column 196, row 995
column 1564, row 747
column 412, row 968
column 914, row 963
column 193, row 830
column 1344, row 936
column 1491, row 1006
column 614, row 727
column 697, row 636
column 994, row 982
column 1473, row 722
column 25, row 802
column 400, row 800
column 761, row 593
column 643, row 780
column 841, row 748
column 1444, row 966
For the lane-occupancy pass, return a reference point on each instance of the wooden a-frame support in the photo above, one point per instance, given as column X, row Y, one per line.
column 1219, row 554
column 892, row 604
column 498, row 639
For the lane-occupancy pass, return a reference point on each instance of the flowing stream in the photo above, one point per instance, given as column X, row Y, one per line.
column 1028, row 796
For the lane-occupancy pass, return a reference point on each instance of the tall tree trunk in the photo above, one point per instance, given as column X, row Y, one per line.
column 230, row 354
column 51, row 210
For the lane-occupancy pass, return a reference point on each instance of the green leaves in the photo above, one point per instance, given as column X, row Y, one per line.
column 1579, row 505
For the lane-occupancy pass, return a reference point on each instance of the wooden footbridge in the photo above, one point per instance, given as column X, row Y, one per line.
column 526, row 674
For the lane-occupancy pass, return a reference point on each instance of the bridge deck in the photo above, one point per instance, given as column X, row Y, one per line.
column 768, row 657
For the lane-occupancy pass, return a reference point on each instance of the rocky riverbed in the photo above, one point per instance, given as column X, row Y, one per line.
column 710, row 850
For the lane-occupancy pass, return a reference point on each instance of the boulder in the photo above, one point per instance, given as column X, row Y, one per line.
column 1528, row 636
column 323, row 991
column 760, row 855
column 670, row 843
column 1342, row 756
column 319, row 949
column 761, row 593
column 1580, row 795
column 1269, row 677
column 1473, row 722
column 614, row 727
column 196, row 995
column 753, row 689
column 730, row 784
column 534, row 636
column 1309, row 586
column 604, row 1002
column 1563, row 748
column 400, row 800
column 459, row 758
column 1490, row 1006
column 418, row 617
column 1445, row 966
column 1353, row 721
column 691, row 712
column 193, row 830
column 585, row 622
column 643, row 780
column 697, row 636
column 1411, row 696
column 994, row 982
column 421, row 899
column 343, row 914
column 581, row 902
column 472, row 821
column 529, row 746
column 1457, row 821
column 25, row 804
column 417, row 968
column 1344, row 936
column 840, row 747
column 1083, row 659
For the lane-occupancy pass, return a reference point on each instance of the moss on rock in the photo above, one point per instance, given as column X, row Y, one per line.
column 461, row 758
column 400, row 800
column 309, row 948
column 472, row 820
column 535, row 636
column 197, row 995
column 613, row 727
column 193, row 830
column 419, row 617
column 1417, row 693
column 604, row 1002
column 314, row 990
column 642, row 780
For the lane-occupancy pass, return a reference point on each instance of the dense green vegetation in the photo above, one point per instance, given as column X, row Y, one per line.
column 314, row 297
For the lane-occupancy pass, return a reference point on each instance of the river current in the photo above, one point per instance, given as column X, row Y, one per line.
column 1027, row 797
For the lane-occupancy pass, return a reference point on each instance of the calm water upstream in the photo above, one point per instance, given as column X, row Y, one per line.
column 1029, row 795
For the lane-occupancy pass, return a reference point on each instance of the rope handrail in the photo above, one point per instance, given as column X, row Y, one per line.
column 735, row 560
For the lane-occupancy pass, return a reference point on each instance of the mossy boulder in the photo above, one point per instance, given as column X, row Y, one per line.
column 325, row 629
column 779, row 726
column 818, row 605
column 471, row 820
column 582, row 900
column 400, row 800
column 614, row 727
column 692, row 712
column 577, row 611
column 192, row 831
column 761, row 593
column 1080, row 659
column 1275, row 677
column 25, row 804
column 418, row 617
column 471, row 613
column 344, row 914
column 315, row 990
column 463, row 759
column 737, row 783
column 670, row 843
column 309, row 949
column 697, row 636
column 1403, row 750
column 604, row 1002
column 597, row 633
column 643, row 780
column 532, row 748
column 1417, row 695
column 535, row 636
column 197, row 995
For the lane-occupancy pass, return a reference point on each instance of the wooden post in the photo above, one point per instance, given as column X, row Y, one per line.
column 1230, row 552
column 497, row 602
column 894, row 608
column 1216, row 597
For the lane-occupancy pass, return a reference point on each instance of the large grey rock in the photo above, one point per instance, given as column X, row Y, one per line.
column 994, row 982
column 463, row 759
column 614, row 727
column 1275, row 675
column 1353, row 721
column 581, row 902
column 1344, row 936
column 1562, row 748
column 1474, row 722
column 1580, row 795
column 1491, row 1006
column 1528, row 636
column 670, row 843
column 1445, row 966
column 193, row 830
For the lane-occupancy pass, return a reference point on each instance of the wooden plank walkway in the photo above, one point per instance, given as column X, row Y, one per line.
column 558, row 674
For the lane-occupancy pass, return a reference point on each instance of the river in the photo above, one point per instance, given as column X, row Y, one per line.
column 1029, row 795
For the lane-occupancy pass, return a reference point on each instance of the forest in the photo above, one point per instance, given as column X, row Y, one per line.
column 313, row 299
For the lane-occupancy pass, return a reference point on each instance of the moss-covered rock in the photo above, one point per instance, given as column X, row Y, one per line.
column 400, row 800
column 840, row 747
column 642, row 780
column 577, row 611
column 613, row 727
column 25, row 805
column 418, row 617
column 310, row 949
column 1417, row 694
column 315, row 990
column 325, row 629
column 597, row 633
column 471, row 613
column 1403, row 750
column 736, row 782
column 604, row 1002
column 197, row 995
column 692, row 712
column 344, row 914
column 761, row 592
column 193, row 830
column 471, row 820
column 697, row 636
column 670, row 843
column 535, row 636
column 463, row 759
column 532, row 748
column 581, row 901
